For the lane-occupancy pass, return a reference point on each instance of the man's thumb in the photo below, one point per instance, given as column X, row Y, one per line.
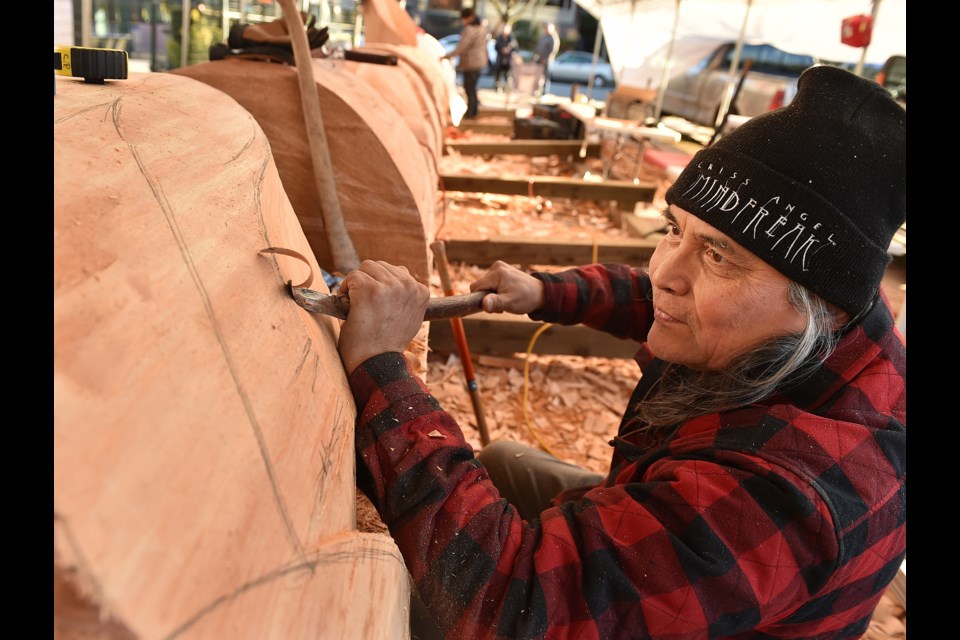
column 493, row 304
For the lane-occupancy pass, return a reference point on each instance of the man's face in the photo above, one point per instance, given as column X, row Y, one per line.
column 713, row 299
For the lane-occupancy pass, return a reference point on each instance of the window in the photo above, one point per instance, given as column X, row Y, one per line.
column 768, row 59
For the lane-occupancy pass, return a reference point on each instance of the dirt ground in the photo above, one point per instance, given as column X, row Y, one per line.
column 569, row 406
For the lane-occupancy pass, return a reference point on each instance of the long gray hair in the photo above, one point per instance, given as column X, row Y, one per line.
column 682, row 393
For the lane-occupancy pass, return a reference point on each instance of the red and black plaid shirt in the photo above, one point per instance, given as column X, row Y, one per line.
column 782, row 519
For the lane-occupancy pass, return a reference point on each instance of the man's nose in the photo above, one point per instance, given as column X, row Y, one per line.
column 673, row 271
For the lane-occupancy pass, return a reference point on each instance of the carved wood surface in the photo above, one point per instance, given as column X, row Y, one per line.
column 405, row 89
column 386, row 187
column 203, row 425
column 385, row 21
column 424, row 58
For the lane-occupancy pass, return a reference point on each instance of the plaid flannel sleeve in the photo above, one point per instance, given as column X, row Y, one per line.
column 701, row 545
column 613, row 298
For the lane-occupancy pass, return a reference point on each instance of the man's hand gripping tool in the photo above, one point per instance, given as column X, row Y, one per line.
column 338, row 305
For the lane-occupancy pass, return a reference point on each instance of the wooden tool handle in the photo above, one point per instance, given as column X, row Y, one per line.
column 440, row 254
column 438, row 308
column 454, row 306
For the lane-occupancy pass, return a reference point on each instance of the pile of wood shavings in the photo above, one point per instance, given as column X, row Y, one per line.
column 573, row 404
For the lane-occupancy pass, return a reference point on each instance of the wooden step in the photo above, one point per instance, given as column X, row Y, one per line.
column 480, row 126
column 625, row 192
column 526, row 251
column 496, row 112
column 502, row 334
column 566, row 148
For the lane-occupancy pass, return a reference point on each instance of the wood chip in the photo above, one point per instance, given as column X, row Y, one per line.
column 501, row 362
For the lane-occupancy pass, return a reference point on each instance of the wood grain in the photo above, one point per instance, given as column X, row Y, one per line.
column 384, row 21
column 426, row 63
column 386, row 187
column 403, row 88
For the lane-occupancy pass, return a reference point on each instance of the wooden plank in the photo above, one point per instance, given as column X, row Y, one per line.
column 502, row 334
column 523, row 147
column 625, row 192
column 478, row 126
column 496, row 112
column 645, row 228
column 518, row 250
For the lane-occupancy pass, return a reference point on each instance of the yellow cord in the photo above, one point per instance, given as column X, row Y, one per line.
column 526, row 386
column 526, row 371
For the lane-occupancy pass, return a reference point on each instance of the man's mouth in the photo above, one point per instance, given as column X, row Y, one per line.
column 663, row 316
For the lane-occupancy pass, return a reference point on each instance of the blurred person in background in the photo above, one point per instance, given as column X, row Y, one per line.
column 472, row 50
column 506, row 47
column 548, row 46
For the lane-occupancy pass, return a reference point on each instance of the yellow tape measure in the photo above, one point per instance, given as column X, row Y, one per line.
column 89, row 63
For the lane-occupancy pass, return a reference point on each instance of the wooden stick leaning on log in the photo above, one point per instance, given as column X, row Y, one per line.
column 342, row 251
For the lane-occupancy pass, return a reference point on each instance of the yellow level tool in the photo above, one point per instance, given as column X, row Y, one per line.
column 91, row 64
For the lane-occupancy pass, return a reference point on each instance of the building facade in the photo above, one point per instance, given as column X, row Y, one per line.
column 160, row 35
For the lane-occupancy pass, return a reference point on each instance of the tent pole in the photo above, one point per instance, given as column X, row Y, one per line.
column 185, row 34
column 665, row 78
column 618, row 70
column 873, row 25
column 596, row 54
column 727, row 92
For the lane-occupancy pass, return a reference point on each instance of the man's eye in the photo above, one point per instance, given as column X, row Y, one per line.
column 715, row 257
column 673, row 229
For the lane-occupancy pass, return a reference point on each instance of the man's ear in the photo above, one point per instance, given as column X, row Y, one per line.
column 840, row 317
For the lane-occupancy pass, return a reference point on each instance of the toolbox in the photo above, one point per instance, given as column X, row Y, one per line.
column 537, row 128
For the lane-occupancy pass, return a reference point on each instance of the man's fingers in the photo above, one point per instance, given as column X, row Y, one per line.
column 374, row 272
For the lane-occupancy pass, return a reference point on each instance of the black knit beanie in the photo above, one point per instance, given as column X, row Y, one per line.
column 815, row 189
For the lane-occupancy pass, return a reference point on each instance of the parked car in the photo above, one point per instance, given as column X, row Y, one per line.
column 576, row 66
column 437, row 22
column 893, row 78
column 451, row 41
column 697, row 91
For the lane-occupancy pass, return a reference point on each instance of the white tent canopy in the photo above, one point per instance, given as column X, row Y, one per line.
column 635, row 29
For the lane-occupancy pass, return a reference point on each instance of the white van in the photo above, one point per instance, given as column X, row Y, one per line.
column 695, row 91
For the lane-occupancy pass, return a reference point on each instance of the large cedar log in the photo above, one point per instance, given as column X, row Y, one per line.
column 424, row 59
column 203, row 425
column 388, row 26
column 384, row 21
column 404, row 88
column 386, row 187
